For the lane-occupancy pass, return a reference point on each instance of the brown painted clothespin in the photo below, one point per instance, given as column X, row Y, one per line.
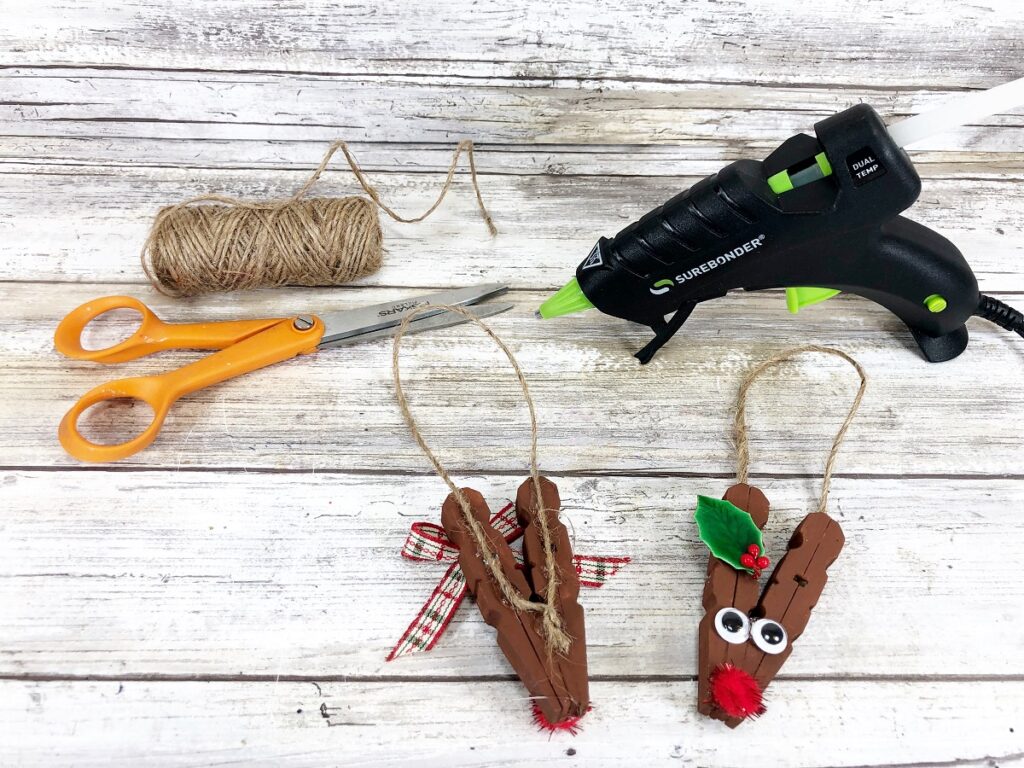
column 539, row 622
column 746, row 634
column 555, row 676
column 428, row 543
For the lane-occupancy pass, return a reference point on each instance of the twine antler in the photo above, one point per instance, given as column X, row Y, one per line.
column 554, row 632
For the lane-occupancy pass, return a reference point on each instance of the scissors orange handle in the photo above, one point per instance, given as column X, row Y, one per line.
column 153, row 334
column 262, row 343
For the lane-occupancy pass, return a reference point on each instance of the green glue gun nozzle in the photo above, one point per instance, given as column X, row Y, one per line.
column 570, row 298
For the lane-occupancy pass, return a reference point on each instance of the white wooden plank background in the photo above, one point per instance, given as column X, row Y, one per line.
column 357, row 723
column 228, row 595
column 212, row 582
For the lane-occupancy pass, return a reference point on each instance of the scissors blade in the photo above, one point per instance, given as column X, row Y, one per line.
column 356, row 322
column 440, row 319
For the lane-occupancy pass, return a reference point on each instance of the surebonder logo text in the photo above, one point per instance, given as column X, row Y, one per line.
column 666, row 284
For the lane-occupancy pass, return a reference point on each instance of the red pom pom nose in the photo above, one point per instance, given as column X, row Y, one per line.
column 570, row 724
column 735, row 692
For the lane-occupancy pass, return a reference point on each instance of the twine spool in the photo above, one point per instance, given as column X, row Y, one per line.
column 219, row 243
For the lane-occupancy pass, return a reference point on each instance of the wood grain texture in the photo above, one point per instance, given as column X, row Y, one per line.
column 234, row 573
column 599, row 410
column 133, row 724
column 697, row 158
column 689, row 119
column 903, row 42
column 199, row 590
column 87, row 224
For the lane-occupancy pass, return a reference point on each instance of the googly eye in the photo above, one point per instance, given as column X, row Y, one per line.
column 732, row 625
column 769, row 636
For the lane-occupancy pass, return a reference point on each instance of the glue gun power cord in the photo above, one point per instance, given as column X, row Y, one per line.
column 1001, row 314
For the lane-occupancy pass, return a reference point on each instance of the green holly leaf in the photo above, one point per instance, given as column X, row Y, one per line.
column 726, row 529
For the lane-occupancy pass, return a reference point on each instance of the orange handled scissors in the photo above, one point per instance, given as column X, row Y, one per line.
column 245, row 345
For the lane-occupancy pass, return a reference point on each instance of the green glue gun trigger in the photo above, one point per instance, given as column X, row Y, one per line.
column 817, row 217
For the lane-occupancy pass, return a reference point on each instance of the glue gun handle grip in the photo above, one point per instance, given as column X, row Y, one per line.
column 912, row 263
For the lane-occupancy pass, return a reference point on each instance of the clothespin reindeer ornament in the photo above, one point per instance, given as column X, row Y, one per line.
column 746, row 633
column 552, row 667
column 534, row 610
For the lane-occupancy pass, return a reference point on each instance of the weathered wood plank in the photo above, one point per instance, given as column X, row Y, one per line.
column 211, row 573
column 484, row 724
column 731, row 120
column 649, row 160
column 88, row 224
column 599, row 410
column 899, row 42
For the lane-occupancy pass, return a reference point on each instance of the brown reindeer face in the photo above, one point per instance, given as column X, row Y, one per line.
column 746, row 635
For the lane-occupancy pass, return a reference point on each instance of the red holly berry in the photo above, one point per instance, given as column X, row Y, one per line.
column 747, row 560
column 754, row 550
column 762, row 563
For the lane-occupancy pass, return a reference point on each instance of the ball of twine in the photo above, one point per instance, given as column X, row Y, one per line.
column 220, row 243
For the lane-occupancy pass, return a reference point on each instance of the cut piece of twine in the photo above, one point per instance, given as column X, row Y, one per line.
column 740, row 423
column 239, row 244
column 555, row 636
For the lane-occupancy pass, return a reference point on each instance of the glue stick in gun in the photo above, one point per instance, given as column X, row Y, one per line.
column 818, row 216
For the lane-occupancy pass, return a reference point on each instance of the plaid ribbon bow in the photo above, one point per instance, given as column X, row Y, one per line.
column 429, row 543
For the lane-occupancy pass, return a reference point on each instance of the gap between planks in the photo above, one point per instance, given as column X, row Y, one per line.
column 519, row 80
column 469, row 471
column 157, row 677
column 512, row 289
column 19, row 168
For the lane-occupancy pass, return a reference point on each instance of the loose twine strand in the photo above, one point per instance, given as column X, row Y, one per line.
column 239, row 244
column 555, row 636
column 740, row 431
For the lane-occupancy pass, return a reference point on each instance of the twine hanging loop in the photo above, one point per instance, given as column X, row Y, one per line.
column 555, row 635
column 740, row 431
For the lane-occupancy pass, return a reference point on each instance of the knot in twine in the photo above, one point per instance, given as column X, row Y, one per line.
column 555, row 636
column 232, row 244
column 740, row 431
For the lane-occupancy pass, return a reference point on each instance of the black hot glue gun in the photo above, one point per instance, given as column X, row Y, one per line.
column 817, row 216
